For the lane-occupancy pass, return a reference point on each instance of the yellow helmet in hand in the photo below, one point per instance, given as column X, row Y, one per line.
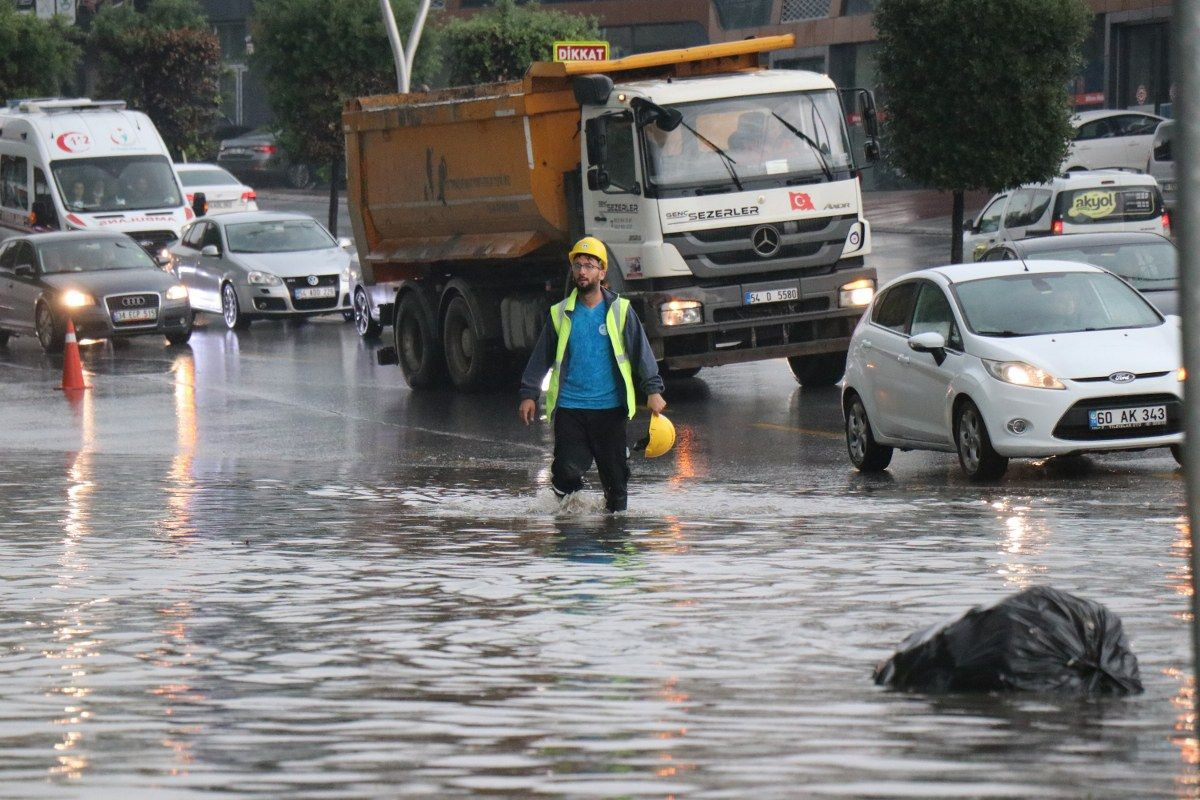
column 590, row 246
column 661, row 436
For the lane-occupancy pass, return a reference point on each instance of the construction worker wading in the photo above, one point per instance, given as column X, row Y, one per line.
column 597, row 354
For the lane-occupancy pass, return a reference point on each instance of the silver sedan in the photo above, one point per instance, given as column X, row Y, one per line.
column 260, row 264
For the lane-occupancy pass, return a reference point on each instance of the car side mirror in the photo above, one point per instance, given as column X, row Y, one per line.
column 969, row 226
column 930, row 342
column 345, row 242
column 199, row 204
column 210, row 250
column 23, row 270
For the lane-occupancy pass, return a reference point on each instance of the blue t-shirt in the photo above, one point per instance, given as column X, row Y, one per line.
column 591, row 380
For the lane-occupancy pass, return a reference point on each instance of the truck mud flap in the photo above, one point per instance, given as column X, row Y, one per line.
column 387, row 356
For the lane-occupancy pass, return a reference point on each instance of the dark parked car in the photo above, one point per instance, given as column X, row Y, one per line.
column 103, row 282
column 257, row 158
column 1148, row 261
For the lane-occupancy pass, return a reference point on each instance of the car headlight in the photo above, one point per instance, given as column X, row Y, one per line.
column 680, row 312
column 1018, row 373
column 263, row 279
column 346, row 275
column 73, row 298
column 856, row 293
column 1181, row 374
column 177, row 292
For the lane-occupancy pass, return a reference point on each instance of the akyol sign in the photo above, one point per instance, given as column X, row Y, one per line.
column 581, row 51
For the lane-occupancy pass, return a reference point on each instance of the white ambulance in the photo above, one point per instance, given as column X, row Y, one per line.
column 80, row 164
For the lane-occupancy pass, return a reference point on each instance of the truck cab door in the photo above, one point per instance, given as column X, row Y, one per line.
column 614, row 209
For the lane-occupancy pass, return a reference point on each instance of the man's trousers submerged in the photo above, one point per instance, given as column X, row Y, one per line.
column 581, row 435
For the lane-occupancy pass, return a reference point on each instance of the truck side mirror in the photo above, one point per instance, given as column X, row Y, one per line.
column 199, row 204
column 597, row 142
column 871, row 150
column 669, row 120
column 866, row 102
column 597, row 179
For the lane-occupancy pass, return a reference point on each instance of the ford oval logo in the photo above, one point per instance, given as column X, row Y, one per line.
column 313, row 280
column 129, row 302
column 1121, row 377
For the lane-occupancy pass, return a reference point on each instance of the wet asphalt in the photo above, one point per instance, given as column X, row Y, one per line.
column 258, row 565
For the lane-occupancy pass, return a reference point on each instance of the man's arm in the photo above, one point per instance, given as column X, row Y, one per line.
column 540, row 360
column 645, row 367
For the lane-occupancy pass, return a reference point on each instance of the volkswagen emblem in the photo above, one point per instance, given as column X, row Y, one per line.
column 765, row 240
column 313, row 280
column 129, row 302
column 1121, row 377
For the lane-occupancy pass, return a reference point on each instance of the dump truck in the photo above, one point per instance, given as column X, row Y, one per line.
column 727, row 193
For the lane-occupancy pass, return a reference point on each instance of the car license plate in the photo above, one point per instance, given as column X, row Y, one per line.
column 1168, row 186
column 319, row 291
column 1139, row 417
column 770, row 296
column 135, row 315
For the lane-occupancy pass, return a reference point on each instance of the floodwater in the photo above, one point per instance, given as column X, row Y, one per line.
column 259, row 567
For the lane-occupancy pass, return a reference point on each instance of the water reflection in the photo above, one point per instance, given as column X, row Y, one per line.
column 181, row 484
column 1025, row 536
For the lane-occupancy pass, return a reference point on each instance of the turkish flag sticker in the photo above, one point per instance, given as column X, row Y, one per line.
column 801, row 201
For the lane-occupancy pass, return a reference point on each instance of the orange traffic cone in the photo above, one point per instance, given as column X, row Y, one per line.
column 72, row 366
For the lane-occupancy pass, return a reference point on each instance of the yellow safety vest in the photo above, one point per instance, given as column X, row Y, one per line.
column 560, row 318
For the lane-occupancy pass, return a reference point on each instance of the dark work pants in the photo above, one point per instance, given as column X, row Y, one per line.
column 581, row 435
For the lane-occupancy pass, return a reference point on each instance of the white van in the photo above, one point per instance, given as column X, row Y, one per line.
column 1161, row 163
column 79, row 164
column 1078, row 202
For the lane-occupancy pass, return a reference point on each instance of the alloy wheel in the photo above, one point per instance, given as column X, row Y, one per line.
column 229, row 306
column 362, row 313
column 969, row 443
column 856, row 429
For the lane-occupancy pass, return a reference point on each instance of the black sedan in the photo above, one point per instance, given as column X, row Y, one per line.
column 104, row 282
column 1148, row 261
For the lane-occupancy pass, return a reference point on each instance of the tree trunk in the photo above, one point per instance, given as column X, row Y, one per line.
column 335, row 178
column 956, row 229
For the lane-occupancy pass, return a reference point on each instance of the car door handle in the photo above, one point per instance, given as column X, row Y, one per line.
column 866, row 344
column 903, row 359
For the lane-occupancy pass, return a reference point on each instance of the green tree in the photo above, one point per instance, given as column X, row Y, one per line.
column 165, row 62
column 500, row 44
column 317, row 55
column 37, row 57
column 977, row 98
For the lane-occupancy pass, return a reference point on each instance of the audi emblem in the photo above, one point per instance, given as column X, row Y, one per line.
column 1121, row 377
column 765, row 240
column 313, row 280
column 129, row 302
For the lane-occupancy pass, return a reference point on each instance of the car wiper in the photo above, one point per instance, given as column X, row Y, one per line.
column 815, row 147
column 1002, row 334
column 726, row 159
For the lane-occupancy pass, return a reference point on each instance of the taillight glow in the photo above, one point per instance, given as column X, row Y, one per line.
column 248, row 196
column 1056, row 227
column 1166, row 223
column 264, row 148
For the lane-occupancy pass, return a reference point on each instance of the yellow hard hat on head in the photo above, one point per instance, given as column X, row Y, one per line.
column 661, row 437
column 590, row 246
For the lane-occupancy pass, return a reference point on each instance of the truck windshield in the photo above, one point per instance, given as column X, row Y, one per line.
column 776, row 137
column 116, row 183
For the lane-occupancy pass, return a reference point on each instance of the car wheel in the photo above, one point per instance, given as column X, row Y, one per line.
column 299, row 176
column 181, row 337
column 470, row 360
column 866, row 454
column 1176, row 449
column 979, row 460
column 231, row 310
column 367, row 327
column 49, row 330
column 418, row 347
column 825, row 369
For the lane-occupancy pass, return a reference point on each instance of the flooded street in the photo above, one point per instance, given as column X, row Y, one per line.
column 258, row 566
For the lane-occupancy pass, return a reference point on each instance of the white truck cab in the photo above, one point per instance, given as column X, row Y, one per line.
column 81, row 164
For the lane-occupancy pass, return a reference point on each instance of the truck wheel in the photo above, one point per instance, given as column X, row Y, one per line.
column 417, row 344
column 473, row 364
column 825, row 369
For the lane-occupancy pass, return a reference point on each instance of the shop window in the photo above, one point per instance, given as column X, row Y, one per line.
column 794, row 10
column 627, row 40
column 743, row 13
column 855, row 7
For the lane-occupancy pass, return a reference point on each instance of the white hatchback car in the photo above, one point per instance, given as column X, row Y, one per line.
column 1108, row 138
column 1007, row 359
column 223, row 192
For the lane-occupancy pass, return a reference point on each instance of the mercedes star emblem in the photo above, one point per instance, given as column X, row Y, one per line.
column 765, row 240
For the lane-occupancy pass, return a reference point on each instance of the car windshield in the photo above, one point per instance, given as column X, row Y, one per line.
column 280, row 236
column 116, row 183
column 1035, row 303
column 1147, row 265
column 206, row 177
column 776, row 136
column 80, row 254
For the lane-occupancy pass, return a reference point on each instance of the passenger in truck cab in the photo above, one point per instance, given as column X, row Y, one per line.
column 745, row 143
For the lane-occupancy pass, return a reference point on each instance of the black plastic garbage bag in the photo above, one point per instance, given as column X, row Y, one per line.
column 1038, row 640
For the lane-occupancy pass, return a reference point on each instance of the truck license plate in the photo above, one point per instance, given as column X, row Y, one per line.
column 1142, row 416
column 320, row 291
column 771, row 296
column 135, row 315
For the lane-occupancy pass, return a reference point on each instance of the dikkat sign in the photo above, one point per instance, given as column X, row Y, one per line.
column 581, row 51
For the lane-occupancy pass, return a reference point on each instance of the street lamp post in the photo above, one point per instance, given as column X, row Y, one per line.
column 404, row 57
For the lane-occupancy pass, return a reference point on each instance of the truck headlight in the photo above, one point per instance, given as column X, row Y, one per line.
column 263, row 279
column 856, row 293
column 1018, row 373
column 680, row 312
column 73, row 298
column 177, row 292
